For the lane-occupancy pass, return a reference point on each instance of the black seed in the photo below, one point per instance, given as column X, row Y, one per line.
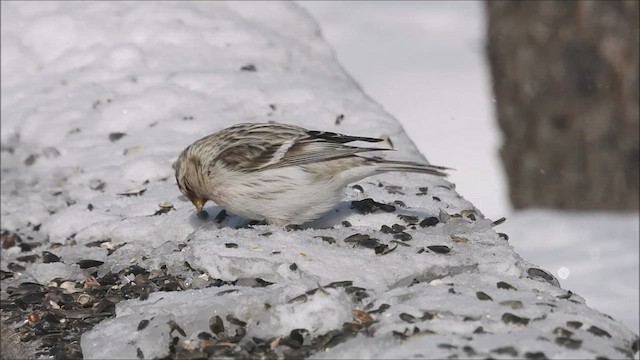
column 216, row 325
column 408, row 318
column 268, row 233
column 221, row 216
column 504, row 285
column 382, row 308
column 503, row 236
column 346, row 224
column 479, row 330
column 430, row 221
column 421, row 250
column 328, row 239
column 509, row 318
column 423, row 189
column 483, row 296
column 368, row 205
column 506, row 350
column 235, row 321
column 85, row 264
column 435, row 198
column 293, row 267
column 202, row 215
column 139, row 353
column 231, row 245
column 339, row 119
column 403, row 236
column 143, row 324
column 598, row 332
column 447, row 346
column 574, row 324
column 90, row 207
column 535, row 355
column 204, row 336
column 249, row 67
column 31, row 159
column 440, row 249
column 115, row 136
column 397, row 228
column 48, row 257
column 499, row 221
column 356, row 238
column 409, row 219
column 385, row 229
column 569, row 343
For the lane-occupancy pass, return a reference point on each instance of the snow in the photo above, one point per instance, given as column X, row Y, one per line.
column 89, row 133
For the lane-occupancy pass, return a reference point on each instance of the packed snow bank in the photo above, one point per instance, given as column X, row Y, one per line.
column 94, row 113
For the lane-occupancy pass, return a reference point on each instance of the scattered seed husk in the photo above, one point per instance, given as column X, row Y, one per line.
column 598, row 332
column 543, row 275
column 133, row 192
column 327, row 239
column 48, row 257
column 175, row 327
column 231, row 245
column 514, row 304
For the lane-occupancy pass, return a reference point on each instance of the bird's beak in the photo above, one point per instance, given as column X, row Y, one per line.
column 198, row 203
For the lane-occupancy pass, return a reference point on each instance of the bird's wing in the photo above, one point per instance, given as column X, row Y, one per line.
column 262, row 148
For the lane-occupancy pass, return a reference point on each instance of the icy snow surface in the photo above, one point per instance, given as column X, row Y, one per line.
column 98, row 99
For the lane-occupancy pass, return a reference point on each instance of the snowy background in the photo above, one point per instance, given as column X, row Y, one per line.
column 95, row 112
column 425, row 63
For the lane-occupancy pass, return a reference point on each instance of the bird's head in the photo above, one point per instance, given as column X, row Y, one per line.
column 189, row 178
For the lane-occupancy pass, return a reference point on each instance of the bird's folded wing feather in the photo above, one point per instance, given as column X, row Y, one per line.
column 258, row 155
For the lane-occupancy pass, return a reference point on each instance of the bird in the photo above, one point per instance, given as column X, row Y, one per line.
column 279, row 173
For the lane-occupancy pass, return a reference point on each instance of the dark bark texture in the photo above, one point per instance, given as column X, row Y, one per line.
column 565, row 80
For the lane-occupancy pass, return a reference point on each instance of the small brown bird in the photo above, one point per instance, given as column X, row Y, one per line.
column 283, row 174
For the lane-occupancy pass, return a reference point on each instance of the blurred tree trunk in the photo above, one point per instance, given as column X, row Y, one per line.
column 565, row 80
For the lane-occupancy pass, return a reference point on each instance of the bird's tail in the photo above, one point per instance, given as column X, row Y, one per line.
column 391, row 165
